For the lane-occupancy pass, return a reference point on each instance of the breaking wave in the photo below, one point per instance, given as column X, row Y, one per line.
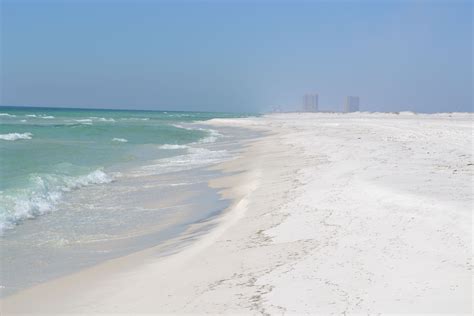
column 119, row 140
column 195, row 157
column 16, row 136
column 42, row 195
column 172, row 146
column 212, row 134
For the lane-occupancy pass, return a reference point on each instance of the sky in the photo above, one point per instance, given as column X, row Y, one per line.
column 235, row 56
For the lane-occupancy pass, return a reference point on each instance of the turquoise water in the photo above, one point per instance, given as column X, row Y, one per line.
column 46, row 152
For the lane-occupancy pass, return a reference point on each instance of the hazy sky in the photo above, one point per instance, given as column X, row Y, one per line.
column 237, row 55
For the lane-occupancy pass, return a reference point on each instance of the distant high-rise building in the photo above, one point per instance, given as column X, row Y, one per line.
column 352, row 104
column 310, row 102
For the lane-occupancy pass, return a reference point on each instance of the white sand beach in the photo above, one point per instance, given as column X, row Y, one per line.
column 332, row 213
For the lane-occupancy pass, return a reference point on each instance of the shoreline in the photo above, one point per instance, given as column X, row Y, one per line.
column 138, row 210
column 329, row 214
column 191, row 242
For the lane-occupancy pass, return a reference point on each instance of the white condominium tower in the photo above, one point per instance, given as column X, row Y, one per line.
column 310, row 102
column 352, row 104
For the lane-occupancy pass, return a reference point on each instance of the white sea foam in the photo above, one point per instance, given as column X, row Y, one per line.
column 183, row 127
column 120, row 140
column 213, row 135
column 103, row 119
column 7, row 115
column 172, row 146
column 42, row 197
column 180, row 184
column 15, row 136
column 84, row 121
column 196, row 157
column 43, row 116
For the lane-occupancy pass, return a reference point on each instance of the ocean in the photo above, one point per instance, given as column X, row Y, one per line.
column 79, row 186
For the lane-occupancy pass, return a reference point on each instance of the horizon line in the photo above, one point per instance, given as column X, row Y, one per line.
column 118, row 109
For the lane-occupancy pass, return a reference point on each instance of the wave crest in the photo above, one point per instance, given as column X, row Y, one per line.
column 173, row 146
column 119, row 140
column 212, row 134
column 16, row 136
column 41, row 197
